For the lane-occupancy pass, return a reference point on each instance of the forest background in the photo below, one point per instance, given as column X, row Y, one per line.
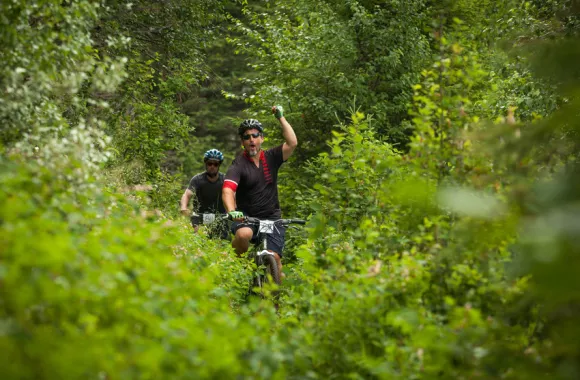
column 437, row 167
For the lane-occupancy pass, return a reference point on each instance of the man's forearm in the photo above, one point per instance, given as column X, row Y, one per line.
column 185, row 200
column 288, row 133
column 229, row 200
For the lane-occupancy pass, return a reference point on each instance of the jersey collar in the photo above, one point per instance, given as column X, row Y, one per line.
column 250, row 158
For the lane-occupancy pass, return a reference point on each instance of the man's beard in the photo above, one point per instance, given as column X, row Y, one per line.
column 211, row 175
column 253, row 152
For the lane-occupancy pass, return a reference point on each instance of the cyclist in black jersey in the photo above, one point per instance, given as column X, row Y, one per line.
column 250, row 186
column 207, row 188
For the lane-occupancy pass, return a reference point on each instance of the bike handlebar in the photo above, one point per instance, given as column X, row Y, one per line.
column 252, row 220
column 297, row 221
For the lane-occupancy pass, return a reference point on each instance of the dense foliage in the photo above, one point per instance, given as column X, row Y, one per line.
column 438, row 169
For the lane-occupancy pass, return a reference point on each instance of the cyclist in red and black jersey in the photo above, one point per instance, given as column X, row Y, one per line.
column 250, row 185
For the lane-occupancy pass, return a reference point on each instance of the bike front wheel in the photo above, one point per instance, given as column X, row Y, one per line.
column 272, row 269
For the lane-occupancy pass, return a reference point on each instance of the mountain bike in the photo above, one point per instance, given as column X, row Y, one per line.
column 264, row 258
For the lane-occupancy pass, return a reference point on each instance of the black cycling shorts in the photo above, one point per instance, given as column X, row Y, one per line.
column 275, row 241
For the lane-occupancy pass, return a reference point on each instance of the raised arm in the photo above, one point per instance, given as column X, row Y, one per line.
column 289, row 136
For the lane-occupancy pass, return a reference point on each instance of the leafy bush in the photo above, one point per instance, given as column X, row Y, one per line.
column 455, row 259
column 93, row 286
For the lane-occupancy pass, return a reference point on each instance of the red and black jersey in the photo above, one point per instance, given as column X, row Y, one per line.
column 256, row 187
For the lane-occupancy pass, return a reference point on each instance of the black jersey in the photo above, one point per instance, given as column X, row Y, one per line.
column 208, row 194
column 256, row 187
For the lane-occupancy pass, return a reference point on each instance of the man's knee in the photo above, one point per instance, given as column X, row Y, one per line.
column 241, row 241
column 244, row 234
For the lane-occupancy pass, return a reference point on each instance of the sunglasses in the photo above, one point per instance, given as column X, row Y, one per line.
column 254, row 135
column 212, row 163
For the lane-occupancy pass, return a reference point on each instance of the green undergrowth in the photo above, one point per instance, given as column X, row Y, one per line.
column 451, row 256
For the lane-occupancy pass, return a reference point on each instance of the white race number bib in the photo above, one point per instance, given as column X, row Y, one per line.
column 266, row 226
column 208, row 218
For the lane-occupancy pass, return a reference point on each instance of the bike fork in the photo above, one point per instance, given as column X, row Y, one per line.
column 259, row 261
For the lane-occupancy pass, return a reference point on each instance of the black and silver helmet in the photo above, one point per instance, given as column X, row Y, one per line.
column 250, row 124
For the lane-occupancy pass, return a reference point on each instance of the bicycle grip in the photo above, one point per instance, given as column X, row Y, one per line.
column 297, row 221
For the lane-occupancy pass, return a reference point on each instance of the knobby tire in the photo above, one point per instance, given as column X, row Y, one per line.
column 272, row 274
column 272, row 268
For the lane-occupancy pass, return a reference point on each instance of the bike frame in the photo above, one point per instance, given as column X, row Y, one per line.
column 260, row 246
column 266, row 227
